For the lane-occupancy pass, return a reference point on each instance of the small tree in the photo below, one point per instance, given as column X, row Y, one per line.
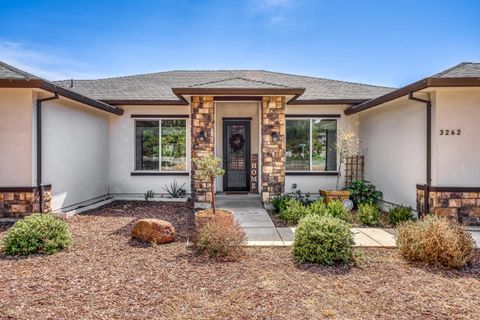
column 209, row 168
column 347, row 147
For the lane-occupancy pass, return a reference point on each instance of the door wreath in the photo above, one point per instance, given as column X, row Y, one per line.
column 236, row 142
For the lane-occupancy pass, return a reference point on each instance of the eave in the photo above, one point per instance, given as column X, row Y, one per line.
column 419, row 85
column 48, row 86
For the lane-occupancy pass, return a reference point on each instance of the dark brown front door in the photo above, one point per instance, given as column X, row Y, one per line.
column 236, row 155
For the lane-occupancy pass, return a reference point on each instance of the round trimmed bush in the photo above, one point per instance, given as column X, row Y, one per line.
column 436, row 241
column 400, row 214
column 368, row 214
column 337, row 210
column 323, row 240
column 38, row 233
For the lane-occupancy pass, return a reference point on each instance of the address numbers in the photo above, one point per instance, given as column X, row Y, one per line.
column 450, row 132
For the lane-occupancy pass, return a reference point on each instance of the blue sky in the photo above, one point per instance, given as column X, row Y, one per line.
column 380, row 42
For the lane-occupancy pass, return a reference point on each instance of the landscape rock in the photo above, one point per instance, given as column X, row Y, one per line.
column 153, row 230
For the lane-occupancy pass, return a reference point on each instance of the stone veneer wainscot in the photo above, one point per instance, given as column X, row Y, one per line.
column 21, row 201
column 462, row 205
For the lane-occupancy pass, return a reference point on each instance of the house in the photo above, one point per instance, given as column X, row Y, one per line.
column 69, row 143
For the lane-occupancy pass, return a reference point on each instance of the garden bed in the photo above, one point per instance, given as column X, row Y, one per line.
column 107, row 275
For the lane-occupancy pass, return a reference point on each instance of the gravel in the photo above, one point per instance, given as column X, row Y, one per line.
column 106, row 275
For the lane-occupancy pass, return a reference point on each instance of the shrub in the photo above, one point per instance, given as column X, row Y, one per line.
column 221, row 239
column 436, row 241
column 294, row 211
column 38, row 233
column 363, row 192
column 337, row 210
column 323, row 240
column 368, row 214
column 400, row 214
column 279, row 203
column 317, row 208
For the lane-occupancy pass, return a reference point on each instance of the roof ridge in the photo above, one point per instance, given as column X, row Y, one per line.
column 18, row 71
column 458, row 65
column 238, row 77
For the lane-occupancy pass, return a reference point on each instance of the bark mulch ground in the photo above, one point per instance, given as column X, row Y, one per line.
column 106, row 275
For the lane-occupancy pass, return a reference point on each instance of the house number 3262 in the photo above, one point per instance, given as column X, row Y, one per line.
column 450, row 132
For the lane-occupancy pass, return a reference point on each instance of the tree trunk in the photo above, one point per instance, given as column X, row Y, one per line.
column 213, row 195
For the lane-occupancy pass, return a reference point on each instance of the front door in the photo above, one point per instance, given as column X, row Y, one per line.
column 236, row 155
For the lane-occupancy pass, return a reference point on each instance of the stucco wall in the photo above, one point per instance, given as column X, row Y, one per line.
column 456, row 158
column 313, row 183
column 75, row 152
column 393, row 140
column 235, row 109
column 122, row 153
column 16, row 117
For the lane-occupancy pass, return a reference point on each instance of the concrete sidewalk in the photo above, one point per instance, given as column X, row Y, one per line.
column 260, row 230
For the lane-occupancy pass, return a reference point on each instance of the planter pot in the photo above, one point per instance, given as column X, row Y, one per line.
column 330, row 195
column 203, row 217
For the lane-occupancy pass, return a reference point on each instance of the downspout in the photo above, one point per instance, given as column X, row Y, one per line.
column 39, row 148
column 428, row 183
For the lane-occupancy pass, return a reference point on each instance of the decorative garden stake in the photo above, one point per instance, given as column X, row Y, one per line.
column 209, row 168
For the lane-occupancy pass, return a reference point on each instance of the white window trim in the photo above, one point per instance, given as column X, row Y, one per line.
column 310, row 120
column 159, row 120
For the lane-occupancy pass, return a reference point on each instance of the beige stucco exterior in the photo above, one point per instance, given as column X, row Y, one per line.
column 16, row 137
column 393, row 141
column 122, row 152
column 75, row 152
column 455, row 158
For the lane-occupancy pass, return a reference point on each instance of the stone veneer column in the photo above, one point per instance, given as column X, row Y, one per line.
column 273, row 147
column 203, row 120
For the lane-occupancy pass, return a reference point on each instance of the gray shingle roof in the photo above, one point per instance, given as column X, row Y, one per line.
column 10, row 72
column 461, row 70
column 158, row 86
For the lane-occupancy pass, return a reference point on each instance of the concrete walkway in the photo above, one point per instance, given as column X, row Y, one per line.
column 261, row 231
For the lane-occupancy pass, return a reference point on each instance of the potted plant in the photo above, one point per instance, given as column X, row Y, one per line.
column 347, row 146
column 209, row 168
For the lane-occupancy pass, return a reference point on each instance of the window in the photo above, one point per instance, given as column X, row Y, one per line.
column 311, row 145
column 160, row 145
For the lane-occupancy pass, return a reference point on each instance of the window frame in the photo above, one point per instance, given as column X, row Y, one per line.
column 139, row 172
column 310, row 171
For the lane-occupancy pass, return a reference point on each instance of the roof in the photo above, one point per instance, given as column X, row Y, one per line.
column 10, row 72
column 11, row 77
column 465, row 74
column 158, row 86
column 461, row 70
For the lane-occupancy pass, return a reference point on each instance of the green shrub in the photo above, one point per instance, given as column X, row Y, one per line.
column 363, row 192
column 317, row 208
column 337, row 210
column 368, row 214
column 323, row 240
column 38, row 233
column 220, row 239
column 400, row 214
column 294, row 211
column 436, row 241
column 279, row 203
